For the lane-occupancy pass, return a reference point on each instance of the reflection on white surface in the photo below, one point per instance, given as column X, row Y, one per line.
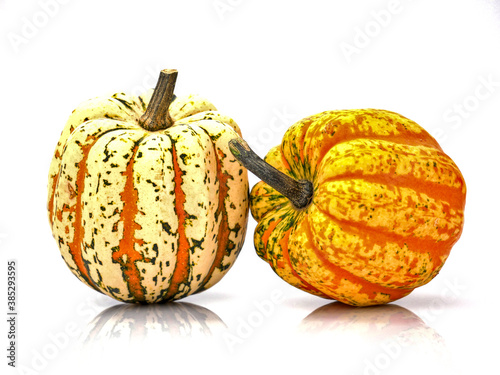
column 170, row 330
column 136, row 322
column 386, row 339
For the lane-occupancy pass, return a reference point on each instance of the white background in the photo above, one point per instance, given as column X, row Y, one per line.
column 267, row 64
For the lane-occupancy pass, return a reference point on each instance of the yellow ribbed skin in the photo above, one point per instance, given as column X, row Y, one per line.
column 147, row 216
column 388, row 206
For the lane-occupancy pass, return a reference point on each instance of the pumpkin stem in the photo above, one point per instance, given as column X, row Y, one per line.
column 299, row 192
column 156, row 116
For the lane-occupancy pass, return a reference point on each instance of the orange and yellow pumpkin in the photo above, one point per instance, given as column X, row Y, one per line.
column 362, row 206
column 145, row 200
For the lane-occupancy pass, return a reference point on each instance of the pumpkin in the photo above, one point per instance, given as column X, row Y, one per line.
column 145, row 200
column 360, row 206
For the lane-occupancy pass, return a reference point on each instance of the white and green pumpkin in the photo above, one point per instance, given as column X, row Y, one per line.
column 145, row 200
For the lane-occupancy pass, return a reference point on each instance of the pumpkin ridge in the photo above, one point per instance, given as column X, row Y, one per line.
column 286, row 256
column 439, row 192
column 59, row 156
column 416, row 244
column 181, row 273
column 274, row 238
column 75, row 250
column 126, row 255
column 264, row 238
column 367, row 287
column 377, row 257
column 76, row 245
column 380, row 145
column 395, row 139
column 294, row 160
column 224, row 230
column 326, row 132
column 50, row 205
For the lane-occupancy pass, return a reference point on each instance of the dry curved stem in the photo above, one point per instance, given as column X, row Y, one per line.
column 299, row 192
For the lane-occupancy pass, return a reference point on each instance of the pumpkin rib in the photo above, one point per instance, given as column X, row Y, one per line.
column 79, row 228
column 272, row 239
column 386, row 159
column 167, row 263
column 103, row 210
column 279, row 258
column 399, row 209
column 367, row 287
column 308, row 154
column 304, row 285
column 292, row 150
column 326, row 132
column 394, row 165
column 435, row 191
column 196, row 164
column 398, row 140
column 75, row 247
column 377, row 262
column 214, row 116
column 260, row 196
column 200, row 187
column 127, row 255
column 100, row 109
column 156, row 240
column 380, row 233
column 181, row 273
column 269, row 225
column 221, row 212
column 57, row 164
column 233, row 198
column 50, row 205
column 383, row 150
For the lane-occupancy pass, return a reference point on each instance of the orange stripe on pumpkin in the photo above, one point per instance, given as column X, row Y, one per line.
column 373, row 236
column 223, row 242
column 75, row 247
column 267, row 233
column 305, row 285
column 439, row 192
column 328, row 132
column 50, row 205
column 181, row 271
column 292, row 149
column 339, row 273
column 126, row 255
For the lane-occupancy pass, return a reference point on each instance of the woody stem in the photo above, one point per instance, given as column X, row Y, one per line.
column 156, row 116
column 299, row 192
